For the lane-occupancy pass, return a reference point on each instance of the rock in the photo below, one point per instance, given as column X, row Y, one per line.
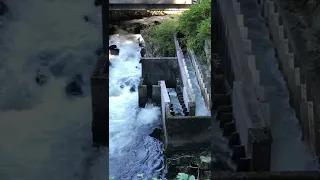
column 122, row 86
column 3, row 8
column 115, row 51
column 143, row 52
column 41, row 78
column 74, row 87
column 157, row 132
column 112, row 47
column 133, row 88
column 156, row 22
column 98, row 2
column 110, row 64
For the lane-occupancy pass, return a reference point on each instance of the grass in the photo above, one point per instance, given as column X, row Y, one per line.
column 194, row 24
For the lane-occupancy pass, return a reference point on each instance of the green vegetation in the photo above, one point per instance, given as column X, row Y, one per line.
column 160, row 38
column 194, row 24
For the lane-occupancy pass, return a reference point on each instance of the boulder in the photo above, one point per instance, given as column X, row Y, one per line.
column 133, row 88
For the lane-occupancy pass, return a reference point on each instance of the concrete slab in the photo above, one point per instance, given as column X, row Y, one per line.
column 150, row 2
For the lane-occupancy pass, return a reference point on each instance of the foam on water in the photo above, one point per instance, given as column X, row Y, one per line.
column 132, row 151
column 44, row 134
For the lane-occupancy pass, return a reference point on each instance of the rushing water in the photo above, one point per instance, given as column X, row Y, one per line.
column 132, row 151
column 44, row 134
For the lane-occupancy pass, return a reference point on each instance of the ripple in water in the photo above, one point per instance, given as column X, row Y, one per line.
column 131, row 150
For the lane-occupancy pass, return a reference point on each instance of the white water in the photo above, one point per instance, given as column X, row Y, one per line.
column 132, row 151
column 43, row 134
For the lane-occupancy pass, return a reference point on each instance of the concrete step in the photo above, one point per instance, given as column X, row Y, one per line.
column 229, row 128
column 225, row 118
column 237, row 153
column 234, row 139
column 221, row 100
column 243, row 165
column 223, row 109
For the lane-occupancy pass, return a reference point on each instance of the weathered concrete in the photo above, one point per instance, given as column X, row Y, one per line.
column 164, row 68
column 156, row 94
column 100, row 105
column 266, row 175
column 249, row 108
column 188, row 92
column 187, row 133
column 143, row 94
column 200, row 77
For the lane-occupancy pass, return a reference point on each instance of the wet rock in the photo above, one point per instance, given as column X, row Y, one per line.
column 115, row 52
column 98, row 2
column 41, row 78
column 133, row 88
column 74, row 88
column 157, row 132
column 112, row 47
column 3, row 8
column 122, row 86
column 142, row 52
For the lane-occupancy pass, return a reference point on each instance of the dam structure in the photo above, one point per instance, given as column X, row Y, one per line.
column 248, row 100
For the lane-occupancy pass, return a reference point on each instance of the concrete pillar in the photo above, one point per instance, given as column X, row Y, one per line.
column 260, row 143
column 156, row 94
column 143, row 95
column 100, row 108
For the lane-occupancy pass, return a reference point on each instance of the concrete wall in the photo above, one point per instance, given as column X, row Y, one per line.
column 204, row 90
column 288, row 56
column 100, row 105
column 165, row 105
column 162, row 68
column 249, row 112
column 188, row 92
column 187, row 133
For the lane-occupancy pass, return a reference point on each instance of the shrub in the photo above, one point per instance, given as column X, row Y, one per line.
column 195, row 24
column 160, row 37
